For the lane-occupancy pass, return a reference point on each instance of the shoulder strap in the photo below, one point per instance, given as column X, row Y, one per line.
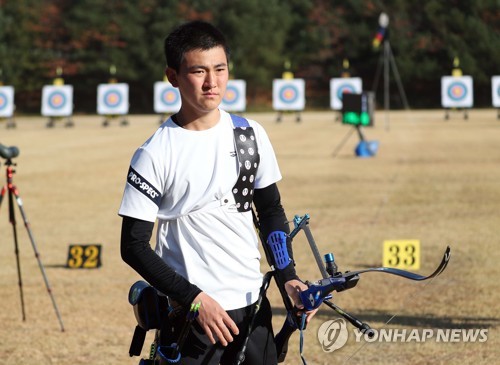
column 248, row 159
column 239, row 122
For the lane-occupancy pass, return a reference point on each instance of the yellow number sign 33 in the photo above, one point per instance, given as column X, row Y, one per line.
column 402, row 254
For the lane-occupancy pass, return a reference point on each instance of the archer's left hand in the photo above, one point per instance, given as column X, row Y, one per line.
column 293, row 288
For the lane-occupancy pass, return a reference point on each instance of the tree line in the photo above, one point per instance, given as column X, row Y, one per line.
column 85, row 38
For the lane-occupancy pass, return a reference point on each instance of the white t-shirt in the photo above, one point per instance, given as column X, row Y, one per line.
column 179, row 177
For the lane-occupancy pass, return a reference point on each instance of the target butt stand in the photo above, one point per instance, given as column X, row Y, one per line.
column 57, row 101
column 112, row 100
column 10, row 122
column 8, row 153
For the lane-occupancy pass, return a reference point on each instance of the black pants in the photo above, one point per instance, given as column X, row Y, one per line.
column 198, row 350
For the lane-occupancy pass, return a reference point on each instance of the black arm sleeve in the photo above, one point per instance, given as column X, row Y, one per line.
column 137, row 252
column 272, row 217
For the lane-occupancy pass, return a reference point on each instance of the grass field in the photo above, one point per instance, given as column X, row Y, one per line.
column 432, row 180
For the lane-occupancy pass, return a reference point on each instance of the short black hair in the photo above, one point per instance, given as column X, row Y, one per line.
column 190, row 36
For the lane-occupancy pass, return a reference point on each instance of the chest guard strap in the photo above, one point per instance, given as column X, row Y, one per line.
column 248, row 159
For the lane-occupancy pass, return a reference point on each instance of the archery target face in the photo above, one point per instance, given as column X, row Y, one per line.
column 234, row 99
column 112, row 99
column 456, row 92
column 495, row 91
column 288, row 94
column 341, row 85
column 167, row 98
column 57, row 101
column 6, row 101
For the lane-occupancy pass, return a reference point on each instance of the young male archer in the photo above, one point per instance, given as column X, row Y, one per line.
column 201, row 188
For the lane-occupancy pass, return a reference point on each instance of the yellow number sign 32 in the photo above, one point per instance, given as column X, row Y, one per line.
column 84, row 257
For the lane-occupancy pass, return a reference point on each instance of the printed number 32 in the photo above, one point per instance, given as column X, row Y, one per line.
column 84, row 256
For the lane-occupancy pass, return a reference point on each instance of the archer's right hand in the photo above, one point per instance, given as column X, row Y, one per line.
column 214, row 320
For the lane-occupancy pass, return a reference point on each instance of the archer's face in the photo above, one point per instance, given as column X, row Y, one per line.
column 202, row 79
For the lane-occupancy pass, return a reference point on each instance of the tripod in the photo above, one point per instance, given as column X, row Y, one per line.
column 12, row 192
column 387, row 60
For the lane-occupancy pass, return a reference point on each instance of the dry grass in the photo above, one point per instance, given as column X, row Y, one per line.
column 433, row 180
